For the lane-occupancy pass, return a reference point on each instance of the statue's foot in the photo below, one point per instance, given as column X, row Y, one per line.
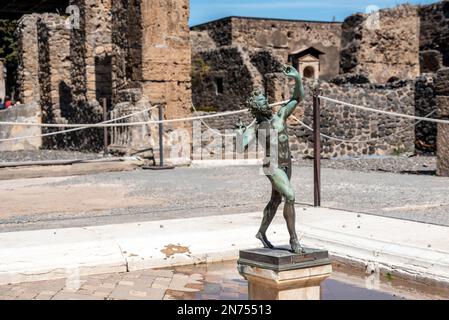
column 296, row 246
column 265, row 242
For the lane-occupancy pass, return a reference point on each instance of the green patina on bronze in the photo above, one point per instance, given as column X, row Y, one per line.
column 276, row 147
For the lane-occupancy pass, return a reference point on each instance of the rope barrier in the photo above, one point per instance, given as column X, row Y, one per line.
column 216, row 131
column 76, row 129
column 361, row 141
column 395, row 114
column 111, row 125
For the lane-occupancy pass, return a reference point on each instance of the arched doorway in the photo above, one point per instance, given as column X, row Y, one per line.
column 309, row 72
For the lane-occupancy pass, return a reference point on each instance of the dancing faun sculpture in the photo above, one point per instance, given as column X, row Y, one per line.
column 270, row 129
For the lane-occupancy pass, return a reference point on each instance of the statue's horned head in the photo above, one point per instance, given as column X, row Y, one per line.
column 258, row 103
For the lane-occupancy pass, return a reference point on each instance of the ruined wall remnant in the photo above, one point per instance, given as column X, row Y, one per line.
column 212, row 34
column 442, row 91
column 281, row 37
column 28, row 67
column 232, row 57
column 386, row 49
column 364, row 128
column 91, row 47
column 425, row 106
column 24, row 113
column 166, row 55
column 284, row 37
column 434, row 36
column 223, row 79
column 127, row 46
column 54, row 74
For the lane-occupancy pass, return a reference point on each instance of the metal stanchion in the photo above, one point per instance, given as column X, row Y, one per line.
column 105, row 129
column 161, row 144
column 161, row 136
column 316, row 149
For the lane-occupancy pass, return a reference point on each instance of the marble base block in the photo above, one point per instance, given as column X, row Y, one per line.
column 278, row 274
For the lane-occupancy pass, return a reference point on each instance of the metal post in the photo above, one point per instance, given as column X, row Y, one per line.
column 161, row 136
column 105, row 129
column 316, row 149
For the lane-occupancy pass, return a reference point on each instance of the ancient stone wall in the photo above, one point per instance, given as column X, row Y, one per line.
column 442, row 91
column 220, row 32
column 91, row 70
column 127, row 46
column 281, row 37
column 92, row 51
column 384, row 47
column 54, row 74
column 372, row 134
column 166, row 55
column 24, row 113
column 425, row 106
column 434, row 36
column 27, row 73
column 222, row 79
column 284, row 37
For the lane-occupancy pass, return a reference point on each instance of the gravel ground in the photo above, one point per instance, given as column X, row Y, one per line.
column 189, row 192
column 418, row 164
column 412, row 165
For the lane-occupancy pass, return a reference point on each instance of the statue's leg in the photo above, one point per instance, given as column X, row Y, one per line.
column 281, row 181
column 268, row 215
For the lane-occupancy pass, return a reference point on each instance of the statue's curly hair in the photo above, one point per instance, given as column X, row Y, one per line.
column 252, row 106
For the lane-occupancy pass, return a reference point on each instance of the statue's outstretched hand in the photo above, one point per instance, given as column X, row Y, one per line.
column 240, row 126
column 290, row 71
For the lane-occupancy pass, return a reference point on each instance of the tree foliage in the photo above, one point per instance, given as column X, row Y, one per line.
column 8, row 47
column 8, row 51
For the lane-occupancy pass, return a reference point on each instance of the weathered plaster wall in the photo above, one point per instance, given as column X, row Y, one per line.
column 385, row 48
column 24, row 113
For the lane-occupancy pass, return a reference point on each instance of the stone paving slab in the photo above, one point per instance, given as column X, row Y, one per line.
column 403, row 247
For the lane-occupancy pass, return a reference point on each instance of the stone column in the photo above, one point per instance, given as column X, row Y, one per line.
column 27, row 72
column 2, row 80
column 442, row 92
column 278, row 274
column 166, row 55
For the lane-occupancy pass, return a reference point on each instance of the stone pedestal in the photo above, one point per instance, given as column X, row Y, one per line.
column 278, row 274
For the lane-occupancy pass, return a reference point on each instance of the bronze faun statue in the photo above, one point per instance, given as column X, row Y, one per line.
column 271, row 130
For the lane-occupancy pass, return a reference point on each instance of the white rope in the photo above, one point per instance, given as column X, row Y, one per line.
column 362, row 141
column 76, row 129
column 104, row 125
column 216, row 131
column 395, row 114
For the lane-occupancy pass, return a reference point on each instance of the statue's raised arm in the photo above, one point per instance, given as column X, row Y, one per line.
column 298, row 92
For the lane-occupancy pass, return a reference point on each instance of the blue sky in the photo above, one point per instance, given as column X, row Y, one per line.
column 324, row 10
